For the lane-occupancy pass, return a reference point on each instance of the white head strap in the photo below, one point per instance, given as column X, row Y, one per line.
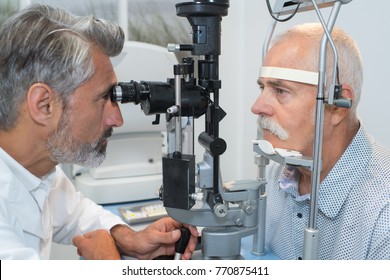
column 294, row 75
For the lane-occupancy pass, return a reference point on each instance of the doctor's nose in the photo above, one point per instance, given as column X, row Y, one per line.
column 114, row 116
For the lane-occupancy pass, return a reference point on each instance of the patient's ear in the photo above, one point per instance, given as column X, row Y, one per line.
column 347, row 92
column 41, row 103
column 339, row 113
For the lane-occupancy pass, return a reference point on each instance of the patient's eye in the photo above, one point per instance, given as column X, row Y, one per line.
column 280, row 91
column 261, row 86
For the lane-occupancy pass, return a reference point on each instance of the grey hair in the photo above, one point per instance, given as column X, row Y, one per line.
column 350, row 61
column 48, row 45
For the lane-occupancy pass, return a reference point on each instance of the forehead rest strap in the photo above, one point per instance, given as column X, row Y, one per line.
column 294, row 75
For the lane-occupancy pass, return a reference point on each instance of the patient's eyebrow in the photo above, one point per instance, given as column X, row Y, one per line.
column 277, row 83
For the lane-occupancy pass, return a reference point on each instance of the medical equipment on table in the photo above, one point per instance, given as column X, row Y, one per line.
column 146, row 212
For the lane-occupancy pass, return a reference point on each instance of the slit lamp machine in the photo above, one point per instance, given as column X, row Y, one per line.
column 193, row 192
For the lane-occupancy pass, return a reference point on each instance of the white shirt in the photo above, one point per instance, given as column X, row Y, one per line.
column 34, row 212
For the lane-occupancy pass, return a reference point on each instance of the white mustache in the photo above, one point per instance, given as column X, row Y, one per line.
column 272, row 126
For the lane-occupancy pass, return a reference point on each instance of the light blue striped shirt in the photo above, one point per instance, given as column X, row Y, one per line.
column 354, row 207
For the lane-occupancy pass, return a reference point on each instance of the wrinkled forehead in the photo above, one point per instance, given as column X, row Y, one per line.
column 289, row 74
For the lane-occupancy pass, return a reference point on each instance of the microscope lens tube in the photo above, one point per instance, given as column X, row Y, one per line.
column 157, row 97
column 129, row 92
column 116, row 94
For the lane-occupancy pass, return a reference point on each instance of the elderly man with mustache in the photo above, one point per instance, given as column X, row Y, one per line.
column 354, row 193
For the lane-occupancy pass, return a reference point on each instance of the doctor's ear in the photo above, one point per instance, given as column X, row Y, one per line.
column 41, row 101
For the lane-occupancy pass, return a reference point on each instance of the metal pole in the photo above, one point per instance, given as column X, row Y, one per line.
column 123, row 17
column 311, row 234
column 178, row 117
column 258, row 246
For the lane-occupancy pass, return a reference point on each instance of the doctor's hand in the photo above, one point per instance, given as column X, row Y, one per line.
column 96, row 245
column 158, row 239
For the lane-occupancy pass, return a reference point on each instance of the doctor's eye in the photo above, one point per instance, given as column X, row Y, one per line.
column 107, row 95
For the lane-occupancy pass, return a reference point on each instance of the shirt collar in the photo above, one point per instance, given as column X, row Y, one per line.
column 336, row 186
column 37, row 187
column 289, row 182
column 28, row 180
